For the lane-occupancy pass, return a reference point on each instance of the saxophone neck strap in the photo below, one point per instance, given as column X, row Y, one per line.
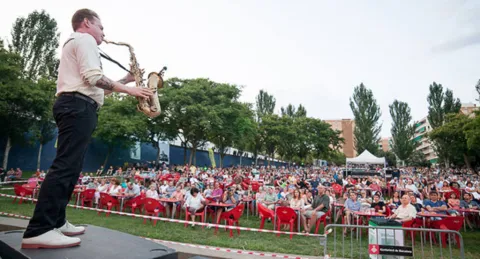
column 107, row 57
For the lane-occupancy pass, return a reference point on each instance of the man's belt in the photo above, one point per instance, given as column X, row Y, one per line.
column 83, row 97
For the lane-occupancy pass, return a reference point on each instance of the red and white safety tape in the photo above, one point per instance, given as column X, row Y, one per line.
column 229, row 250
column 176, row 220
column 26, row 181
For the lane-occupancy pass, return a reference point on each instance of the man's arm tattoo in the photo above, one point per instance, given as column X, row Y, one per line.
column 105, row 83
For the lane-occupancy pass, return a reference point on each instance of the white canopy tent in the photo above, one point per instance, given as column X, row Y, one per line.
column 366, row 158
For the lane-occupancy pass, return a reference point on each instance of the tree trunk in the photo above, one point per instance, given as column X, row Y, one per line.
column 5, row 154
column 39, row 155
column 222, row 155
column 195, row 156
column 158, row 153
column 184, row 152
column 192, row 154
column 467, row 161
column 106, row 158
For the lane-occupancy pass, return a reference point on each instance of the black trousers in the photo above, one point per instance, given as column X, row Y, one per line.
column 76, row 120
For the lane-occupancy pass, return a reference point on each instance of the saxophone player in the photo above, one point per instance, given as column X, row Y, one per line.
column 81, row 87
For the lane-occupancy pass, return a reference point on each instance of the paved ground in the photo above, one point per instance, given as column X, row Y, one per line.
column 185, row 252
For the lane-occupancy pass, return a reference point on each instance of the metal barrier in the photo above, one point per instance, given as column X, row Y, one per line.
column 388, row 242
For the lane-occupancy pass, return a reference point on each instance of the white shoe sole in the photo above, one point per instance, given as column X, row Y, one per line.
column 37, row 246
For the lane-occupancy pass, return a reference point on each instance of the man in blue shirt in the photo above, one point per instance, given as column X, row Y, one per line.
column 435, row 205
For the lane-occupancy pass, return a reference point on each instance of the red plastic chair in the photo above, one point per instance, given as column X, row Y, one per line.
column 337, row 189
column 199, row 213
column 153, row 207
column 135, row 203
column 410, row 224
column 265, row 213
column 88, row 196
column 107, row 201
column 322, row 219
column 450, row 223
column 232, row 218
column 22, row 192
column 286, row 215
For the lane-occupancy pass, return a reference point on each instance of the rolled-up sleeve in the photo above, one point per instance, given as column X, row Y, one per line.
column 88, row 59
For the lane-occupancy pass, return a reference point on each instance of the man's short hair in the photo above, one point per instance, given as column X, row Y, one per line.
column 80, row 15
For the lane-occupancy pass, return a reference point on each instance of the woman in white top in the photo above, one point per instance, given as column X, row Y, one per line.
column 115, row 187
column 195, row 202
column 152, row 193
column 103, row 187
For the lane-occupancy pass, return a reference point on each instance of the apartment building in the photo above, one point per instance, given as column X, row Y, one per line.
column 385, row 144
column 425, row 146
column 468, row 108
column 345, row 126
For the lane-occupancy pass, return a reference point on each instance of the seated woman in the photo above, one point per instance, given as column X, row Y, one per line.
column 194, row 203
column 115, row 187
column 152, row 192
column 178, row 195
column 378, row 205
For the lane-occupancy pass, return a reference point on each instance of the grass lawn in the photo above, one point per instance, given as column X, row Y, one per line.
column 268, row 242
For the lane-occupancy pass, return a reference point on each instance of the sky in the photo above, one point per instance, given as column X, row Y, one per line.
column 303, row 52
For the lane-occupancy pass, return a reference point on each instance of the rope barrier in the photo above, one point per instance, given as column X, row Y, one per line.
column 175, row 220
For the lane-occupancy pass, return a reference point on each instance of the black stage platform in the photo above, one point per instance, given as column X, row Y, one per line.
column 97, row 242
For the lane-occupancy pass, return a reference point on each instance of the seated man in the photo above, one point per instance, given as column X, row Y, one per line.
column 468, row 202
column 229, row 197
column 270, row 199
column 434, row 204
column 132, row 190
column 404, row 212
column 320, row 206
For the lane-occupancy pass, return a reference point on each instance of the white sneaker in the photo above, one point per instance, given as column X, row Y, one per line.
column 51, row 239
column 71, row 230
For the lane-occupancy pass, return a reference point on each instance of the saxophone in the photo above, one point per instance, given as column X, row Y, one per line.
column 150, row 106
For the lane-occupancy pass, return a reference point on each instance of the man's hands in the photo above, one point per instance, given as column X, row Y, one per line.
column 139, row 92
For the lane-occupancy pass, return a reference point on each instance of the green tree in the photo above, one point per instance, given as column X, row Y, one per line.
column 35, row 38
column 366, row 113
column 402, row 130
column 272, row 128
column 418, row 159
column 119, row 123
column 45, row 127
column 192, row 109
column 440, row 104
column 229, row 118
column 477, row 87
column 246, row 130
column 22, row 102
column 389, row 156
column 472, row 132
column 265, row 105
column 452, row 135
